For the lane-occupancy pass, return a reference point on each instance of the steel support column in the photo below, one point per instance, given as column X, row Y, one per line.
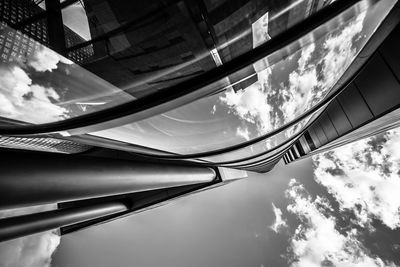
column 14, row 227
column 55, row 26
column 40, row 178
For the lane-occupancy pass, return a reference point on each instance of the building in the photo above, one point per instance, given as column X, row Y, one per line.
column 182, row 46
column 14, row 44
column 360, row 110
column 177, row 95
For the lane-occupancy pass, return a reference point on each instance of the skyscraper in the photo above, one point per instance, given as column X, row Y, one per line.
column 368, row 105
column 15, row 44
column 166, row 93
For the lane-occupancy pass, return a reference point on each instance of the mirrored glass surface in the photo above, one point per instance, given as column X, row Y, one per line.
column 259, row 150
column 264, row 96
column 143, row 47
column 86, row 56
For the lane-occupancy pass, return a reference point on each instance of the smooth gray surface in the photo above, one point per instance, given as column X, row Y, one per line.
column 14, row 227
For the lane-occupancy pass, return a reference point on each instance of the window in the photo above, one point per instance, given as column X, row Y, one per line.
column 264, row 97
column 248, row 104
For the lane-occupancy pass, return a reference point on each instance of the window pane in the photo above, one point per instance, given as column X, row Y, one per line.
column 145, row 46
column 135, row 49
column 274, row 144
column 38, row 85
column 265, row 96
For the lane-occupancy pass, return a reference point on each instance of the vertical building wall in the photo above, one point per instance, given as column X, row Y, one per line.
column 21, row 43
column 368, row 105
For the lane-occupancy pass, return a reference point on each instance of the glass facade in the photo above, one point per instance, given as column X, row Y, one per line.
column 281, row 88
column 155, row 100
column 116, row 53
column 114, row 66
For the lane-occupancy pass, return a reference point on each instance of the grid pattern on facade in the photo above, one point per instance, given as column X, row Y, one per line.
column 42, row 144
column 14, row 44
column 365, row 106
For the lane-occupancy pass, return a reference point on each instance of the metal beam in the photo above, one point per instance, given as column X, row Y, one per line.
column 14, row 227
column 40, row 178
column 55, row 26
column 37, row 17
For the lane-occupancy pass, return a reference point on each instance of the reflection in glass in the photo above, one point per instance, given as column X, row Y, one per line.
column 39, row 86
column 143, row 47
column 262, row 149
column 269, row 94
column 137, row 47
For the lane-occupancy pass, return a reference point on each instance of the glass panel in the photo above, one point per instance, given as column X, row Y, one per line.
column 147, row 46
column 151, row 47
column 38, row 86
column 16, row 11
column 260, row 147
column 76, row 31
column 75, row 18
column 264, row 96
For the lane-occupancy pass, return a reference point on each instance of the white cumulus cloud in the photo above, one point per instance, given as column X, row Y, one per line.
column 29, row 251
column 364, row 177
column 45, row 59
column 316, row 242
column 243, row 132
column 341, row 51
column 305, row 88
column 214, row 109
column 20, row 99
column 250, row 105
column 279, row 223
column 320, row 64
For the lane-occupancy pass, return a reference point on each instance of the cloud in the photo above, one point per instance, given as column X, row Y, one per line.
column 260, row 30
column 340, row 50
column 320, row 64
column 305, row 87
column 364, row 177
column 20, row 99
column 279, row 223
column 45, row 59
column 214, row 109
column 300, row 94
column 306, row 54
column 243, row 132
column 316, row 242
column 29, row 251
column 250, row 105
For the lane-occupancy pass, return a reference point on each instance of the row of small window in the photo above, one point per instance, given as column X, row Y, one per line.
column 17, row 49
column 16, row 44
column 39, row 26
column 81, row 54
column 38, row 30
column 17, row 40
column 42, row 34
column 17, row 10
column 5, row 57
column 79, row 57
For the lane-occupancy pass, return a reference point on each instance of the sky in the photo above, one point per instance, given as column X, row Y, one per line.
column 340, row 208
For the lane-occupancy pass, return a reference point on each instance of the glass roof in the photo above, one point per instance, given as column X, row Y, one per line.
column 269, row 94
column 114, row 52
